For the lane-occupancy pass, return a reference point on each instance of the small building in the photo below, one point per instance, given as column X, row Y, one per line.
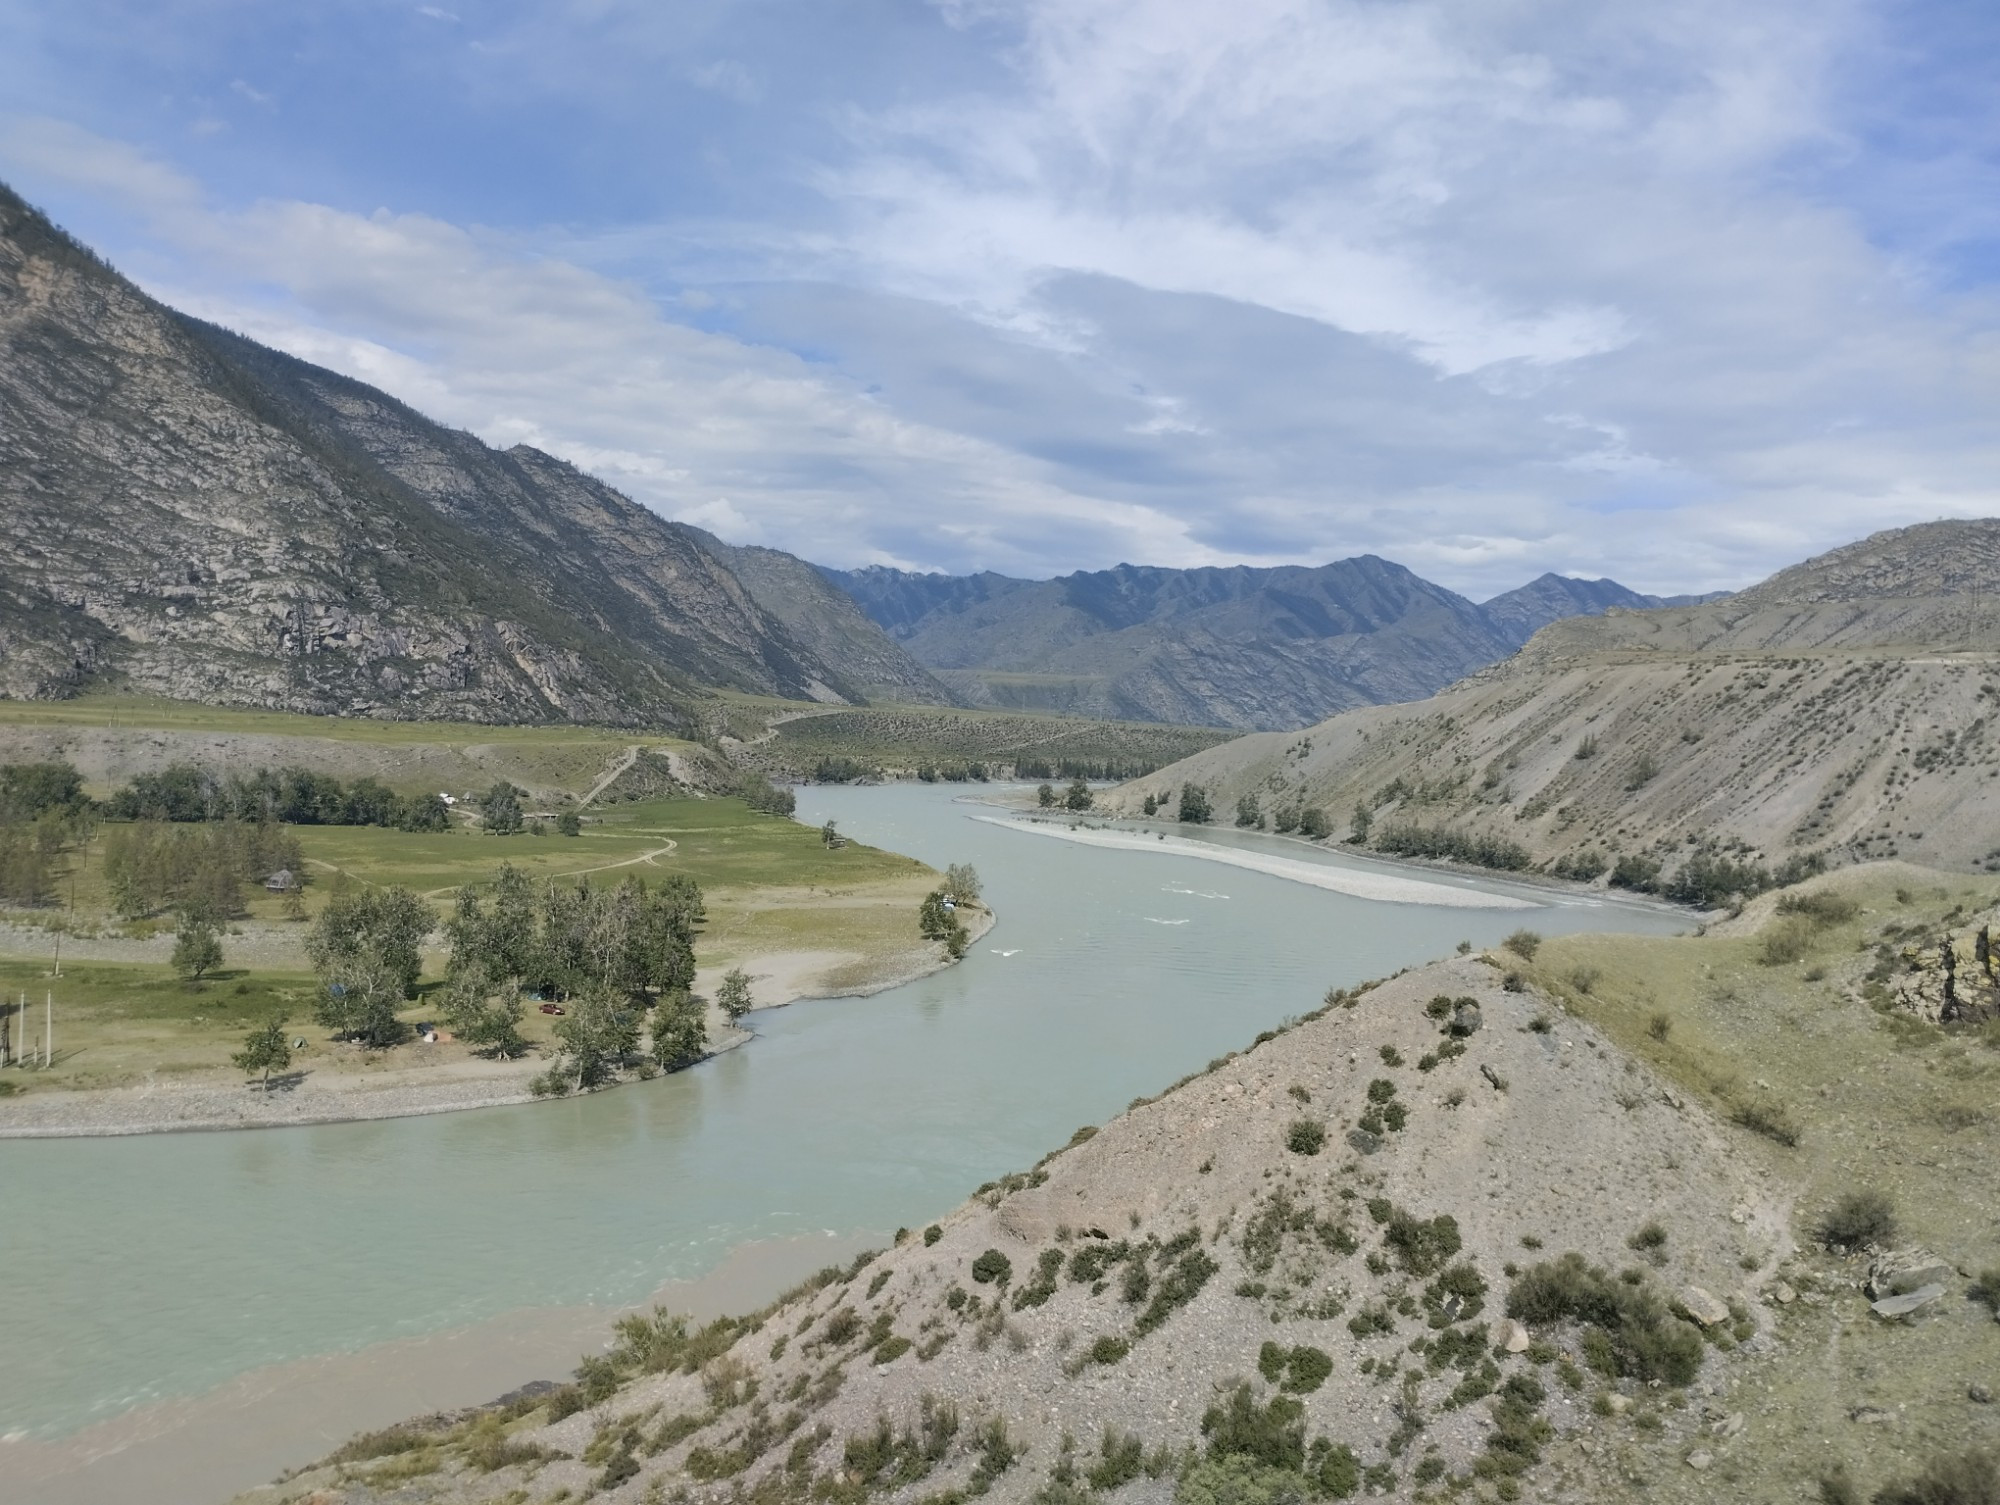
column 282, row 881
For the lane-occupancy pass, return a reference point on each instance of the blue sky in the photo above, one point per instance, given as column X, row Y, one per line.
column 1678, row 293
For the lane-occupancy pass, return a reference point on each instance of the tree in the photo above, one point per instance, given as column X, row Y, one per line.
column 1046, row 796
column 961, row 881
column 1077, row 796
column 500, row 810
column 680, row 1031
column 378, row 926
column 733, row 996
column 484, row 1015
column 29, row 790
column 598, row 1033
column 1194, row 807
column 358, row 999
column 264, row 1050
column 1248, row 811
column 197, row 944
column 1364, row 821
column 937, row 923
column 569, row 823
column 1150, row 805
column 830, row 836
column 1314, row 824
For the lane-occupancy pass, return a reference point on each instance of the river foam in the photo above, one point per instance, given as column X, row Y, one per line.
column 1386, row 888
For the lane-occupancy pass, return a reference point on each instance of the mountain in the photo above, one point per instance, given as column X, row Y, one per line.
column 1847, row 708
column 825, row 618
column 190, row 514
column 1243, row 647
column 1520, row 613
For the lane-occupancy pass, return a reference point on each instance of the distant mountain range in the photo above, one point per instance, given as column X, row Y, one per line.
column 1243, row 647
column 1844, row 709
column 191, row 514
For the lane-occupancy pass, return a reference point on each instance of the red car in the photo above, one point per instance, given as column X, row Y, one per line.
column 552, row 1008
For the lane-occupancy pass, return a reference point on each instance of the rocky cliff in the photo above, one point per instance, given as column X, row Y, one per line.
column 190, row 514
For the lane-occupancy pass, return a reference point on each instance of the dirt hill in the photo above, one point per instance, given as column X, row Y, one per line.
column 1843, row 710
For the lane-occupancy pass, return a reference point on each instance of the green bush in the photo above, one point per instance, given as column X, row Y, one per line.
column 1109, row 1350
column 1305, row 1137
column 1273, row 1434
column 1524, row 944
column 1456, row 846
column 1237, row 1480
column 992, row 1268
column 1628, row 1329
column 1858, row 1218
column 1822, row 907
column 932, row 1234
column 1784, row 942
column 1421, row 1246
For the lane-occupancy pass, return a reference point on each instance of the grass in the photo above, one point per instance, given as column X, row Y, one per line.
column 771, row 885
column 1869, row 1095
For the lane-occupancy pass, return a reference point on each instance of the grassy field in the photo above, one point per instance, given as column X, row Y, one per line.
column 772, row 886
column 1878, row 1099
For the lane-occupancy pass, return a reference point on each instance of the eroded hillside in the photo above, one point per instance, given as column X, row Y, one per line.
column 1847, row 709
column 1550, row 1224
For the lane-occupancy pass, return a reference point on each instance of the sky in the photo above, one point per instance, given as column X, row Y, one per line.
column 1678, row 293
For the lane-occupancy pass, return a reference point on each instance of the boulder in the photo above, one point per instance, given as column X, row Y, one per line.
column 1466, row 1019
column 1902, row 1270
column 1783, row 1294
column 1694, row 1302
column 1700, row 1459
column 1908, row 1301
column 1510, row 1336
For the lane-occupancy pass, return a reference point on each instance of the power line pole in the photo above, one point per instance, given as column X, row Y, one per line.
column 49, row 1032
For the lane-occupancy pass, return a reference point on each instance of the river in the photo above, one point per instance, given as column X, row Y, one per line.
column 138, row 1272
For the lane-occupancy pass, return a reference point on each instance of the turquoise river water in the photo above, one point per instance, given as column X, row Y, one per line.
column 143, row 1268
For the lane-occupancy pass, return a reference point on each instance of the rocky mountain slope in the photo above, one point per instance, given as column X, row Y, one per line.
column 1297, row 1267
column 188, row 513
column 1848, row 707
column 826, row 619
column 1227, row 647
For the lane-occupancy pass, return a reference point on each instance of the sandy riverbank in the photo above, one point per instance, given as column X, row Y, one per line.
column 1384, row 887
column 446, row 1083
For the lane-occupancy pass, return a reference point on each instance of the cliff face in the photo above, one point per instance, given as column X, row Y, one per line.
column 189, row 514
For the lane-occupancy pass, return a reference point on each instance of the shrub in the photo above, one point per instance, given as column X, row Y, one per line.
column 1963, row 1479
column 1649, row 1237
column 932, row 1234
column 1858, row 1218
column 1109, row 1350
column 1457, row 846
column 1823, row 908
column 1986, row 1290
column 992, row 1268
column 1305, row 1137
column 1628, row 1329
column 1784, row 942
column 1659, row 1027
column 1771, row 1119
column 1524, row 944
column 1273, row 1434
column 1237, row 1480
column 1421, row 1247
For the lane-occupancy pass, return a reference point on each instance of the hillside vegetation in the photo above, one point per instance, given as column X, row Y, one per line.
column 1549, row 1224
column 1846, row 709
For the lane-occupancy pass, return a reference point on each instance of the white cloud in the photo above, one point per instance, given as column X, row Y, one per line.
column 1487, row 289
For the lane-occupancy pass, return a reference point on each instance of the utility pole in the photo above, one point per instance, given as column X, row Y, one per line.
column 49, row 1032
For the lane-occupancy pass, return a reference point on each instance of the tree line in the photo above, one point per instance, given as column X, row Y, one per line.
column 186, row 793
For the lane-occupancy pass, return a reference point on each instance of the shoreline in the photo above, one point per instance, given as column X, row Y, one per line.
column 1386, row 888
column 225, row 1103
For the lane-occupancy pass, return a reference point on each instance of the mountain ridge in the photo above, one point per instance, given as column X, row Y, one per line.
column 1842, row 711
column 195, row 515
column 1245, row 646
